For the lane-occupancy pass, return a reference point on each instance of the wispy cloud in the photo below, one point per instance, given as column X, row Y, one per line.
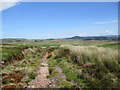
column 107, row 22
column 49, row 35
column 109, row 31
column 83, row 34
column 5, row 4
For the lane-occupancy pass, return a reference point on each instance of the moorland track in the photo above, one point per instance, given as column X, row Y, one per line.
column 41, row 81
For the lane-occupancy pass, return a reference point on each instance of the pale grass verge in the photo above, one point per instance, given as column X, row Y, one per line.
column 92, row 54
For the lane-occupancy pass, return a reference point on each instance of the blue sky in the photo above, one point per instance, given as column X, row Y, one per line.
column 61, row 19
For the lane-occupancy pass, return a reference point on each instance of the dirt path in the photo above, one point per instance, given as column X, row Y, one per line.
column 41, row 81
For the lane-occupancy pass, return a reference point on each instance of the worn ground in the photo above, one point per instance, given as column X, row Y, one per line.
column 41, row 81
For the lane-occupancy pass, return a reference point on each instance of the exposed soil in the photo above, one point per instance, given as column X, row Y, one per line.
column 12, row 77
column 41, row 81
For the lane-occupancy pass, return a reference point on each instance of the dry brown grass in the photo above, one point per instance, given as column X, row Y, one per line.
column 99, row 63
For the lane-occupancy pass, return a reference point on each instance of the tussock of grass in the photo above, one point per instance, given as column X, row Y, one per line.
column 52, row 62
column 97, row 64
column 52, row 73
column 66, row 84
column 71, row 75
column 61, row 52
column 11, row 52
column 98, row 55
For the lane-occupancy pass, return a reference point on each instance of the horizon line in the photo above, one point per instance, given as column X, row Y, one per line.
column 60, row 38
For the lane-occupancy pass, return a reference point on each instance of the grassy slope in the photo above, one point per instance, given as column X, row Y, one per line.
column 19, row 73
column 98, row 66
column 111, row 45
column 61, row 42
column 9, row 52
column 82, row 68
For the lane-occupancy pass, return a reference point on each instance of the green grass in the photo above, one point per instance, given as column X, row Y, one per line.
column 52, row 62
column 9, row 52
column 57, row 43
column 52, row 71
column 86, row 64
column 71, row 75
column 111, row 45
column 66, row 84
column 97, row 64
column 29, row 65
column 42, row 45
column 32, row 75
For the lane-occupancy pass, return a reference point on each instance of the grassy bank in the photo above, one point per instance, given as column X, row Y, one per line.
column 19, row 73
column 99, row 66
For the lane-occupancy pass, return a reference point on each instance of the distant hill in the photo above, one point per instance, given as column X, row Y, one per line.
column 50, row 39
column 11, row 40
column 108, row 37
column 75, row 37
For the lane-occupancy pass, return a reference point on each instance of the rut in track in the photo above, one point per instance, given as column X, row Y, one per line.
column 41, row 81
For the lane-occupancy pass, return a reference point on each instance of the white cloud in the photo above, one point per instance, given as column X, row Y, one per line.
column 48, row 34
column 5, row 4
column 83, row 34
column 108, row 31
column 114, row 21
column 106, row 22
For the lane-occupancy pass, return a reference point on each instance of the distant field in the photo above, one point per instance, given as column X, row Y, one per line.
column 111, row 45
column 64, row 42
